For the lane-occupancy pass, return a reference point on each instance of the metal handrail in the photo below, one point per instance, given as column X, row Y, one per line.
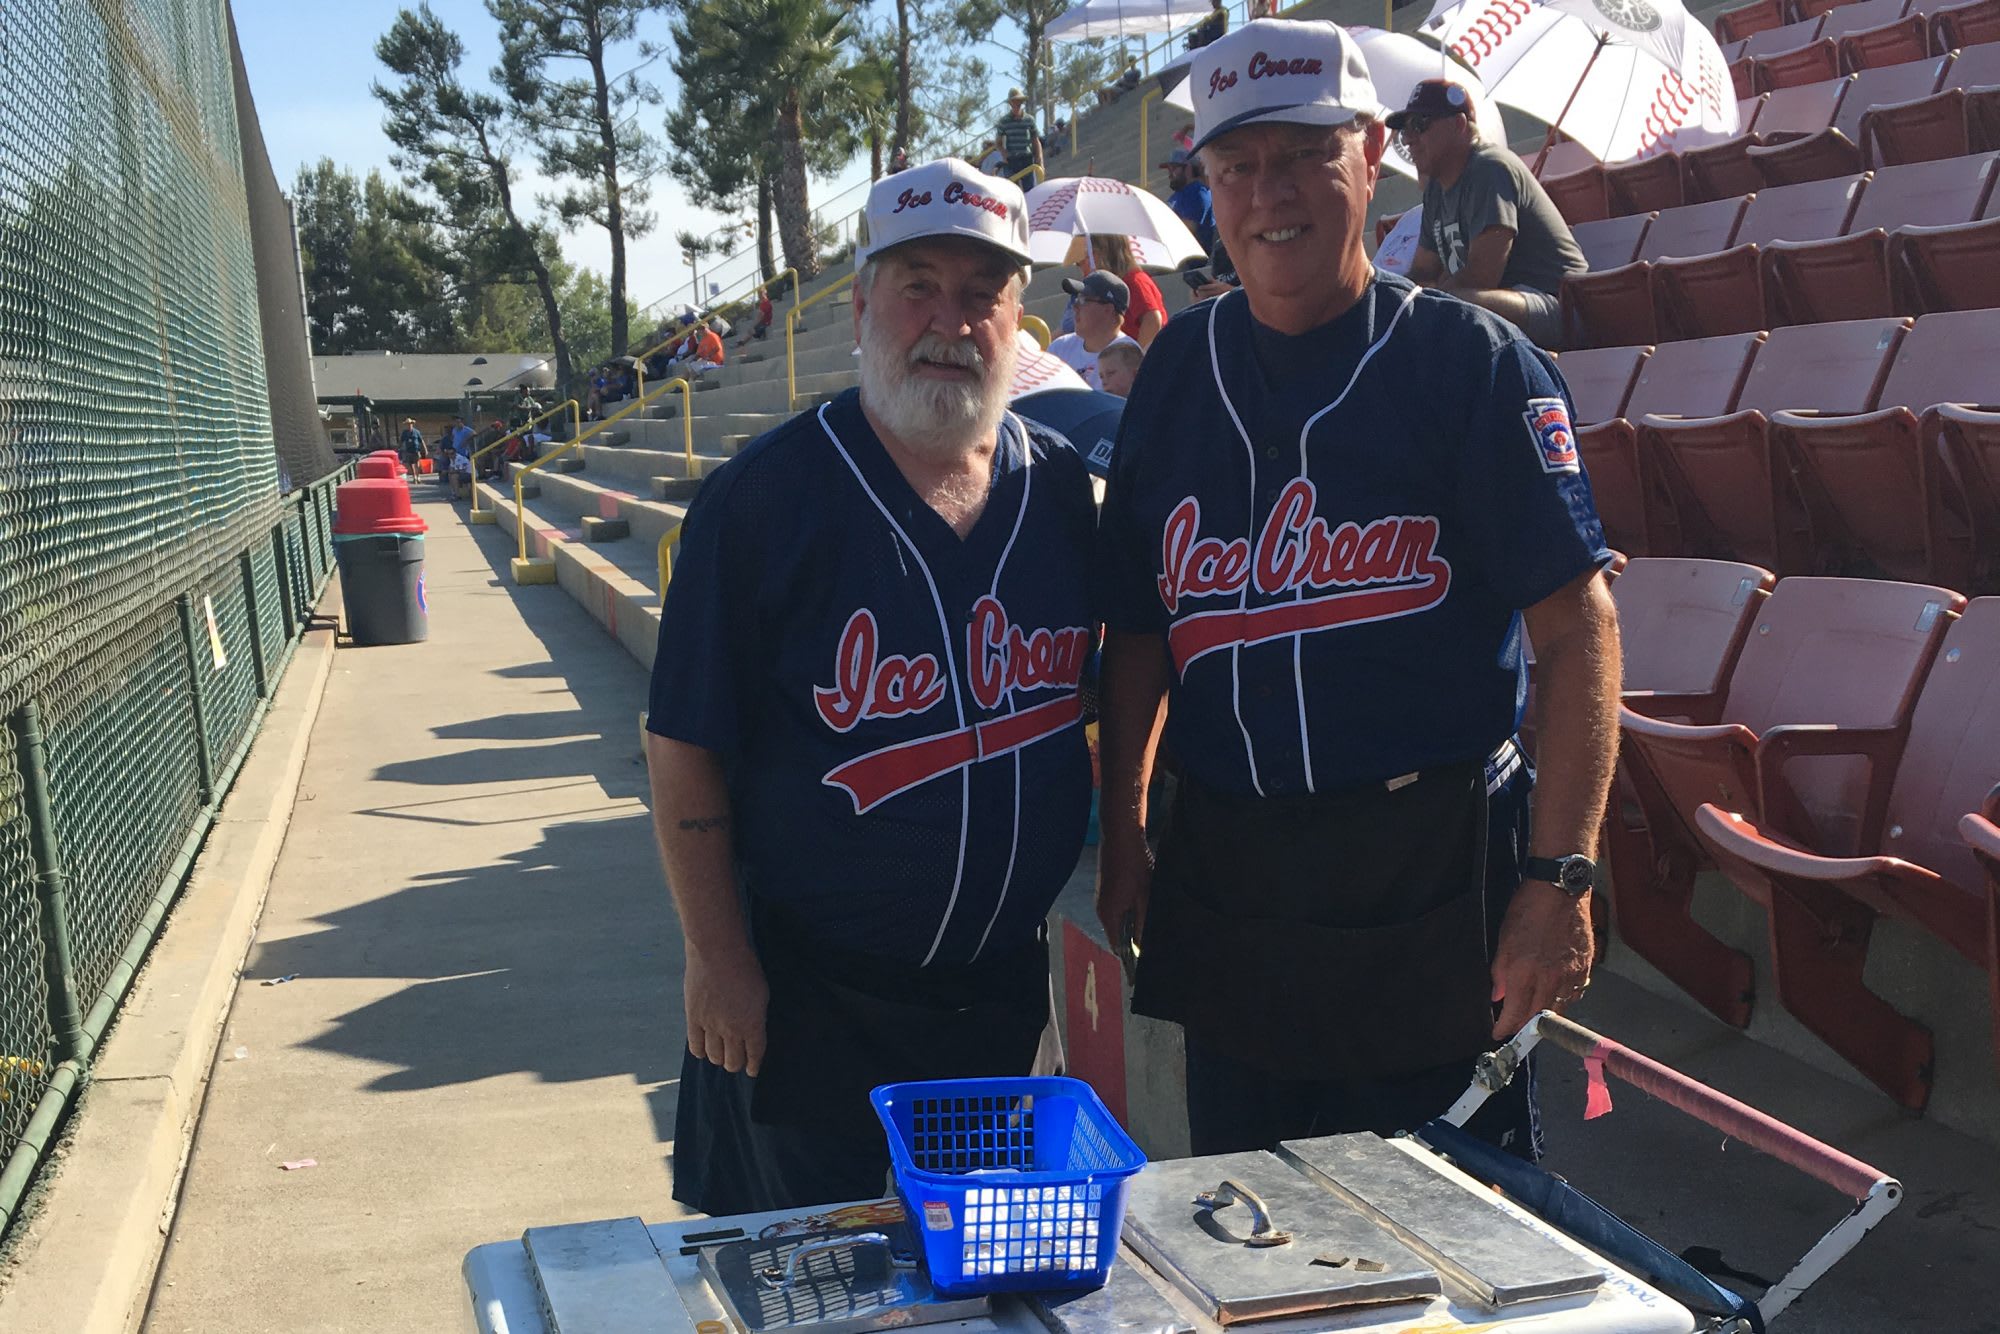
column 667, row 540
column 1034, row 169
column 520, row 501
column 576, row 429
column 791, row 331
column 1145, row 159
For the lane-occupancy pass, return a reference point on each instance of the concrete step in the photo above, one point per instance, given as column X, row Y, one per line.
column 574, row 497
column 633, row 469
column 615, row 583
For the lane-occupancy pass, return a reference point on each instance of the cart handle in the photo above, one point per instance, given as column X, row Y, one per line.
column 1874, row 1192
column 1263, row 1232
column 774, row 1279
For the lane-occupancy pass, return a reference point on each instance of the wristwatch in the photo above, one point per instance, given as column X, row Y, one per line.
column 1575, row 875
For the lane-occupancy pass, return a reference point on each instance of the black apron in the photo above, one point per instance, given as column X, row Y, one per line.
column 840, row 1023
column 1342, row 935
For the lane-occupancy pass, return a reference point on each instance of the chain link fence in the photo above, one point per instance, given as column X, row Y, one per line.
column 160, row 544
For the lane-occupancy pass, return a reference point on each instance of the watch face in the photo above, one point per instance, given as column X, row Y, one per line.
column 1576, row 874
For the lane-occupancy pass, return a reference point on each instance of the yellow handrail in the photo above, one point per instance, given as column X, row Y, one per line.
column 576, row 429
column 1033, row 169
column 791, row 329
column 1145, row 158
column 667, row 540
column 520, row 501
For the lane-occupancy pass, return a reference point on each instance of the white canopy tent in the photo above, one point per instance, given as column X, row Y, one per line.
column 1115, row 19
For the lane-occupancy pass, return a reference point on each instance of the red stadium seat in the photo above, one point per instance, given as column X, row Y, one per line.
column 1849, row 277
column 1736, row 24
column 1776, row 41
column 1703, row 377
column 1839, row 652
column 1681, row 624
column 1731, row 484
column 1949, row 123
column 1907, row 861
column 1969, row 24
column 1812, row 9
column 1721, row 170
column 1600, row 379
column 1613, row 241
column 1792, row 69
column 1981, row 832
column 1657, row 181
column 1941, row 265
column 1704, row 295
column 1836, row 151
column 1880, row 489
column 1876, row 32
column 1614, row 307
column 1574, row 181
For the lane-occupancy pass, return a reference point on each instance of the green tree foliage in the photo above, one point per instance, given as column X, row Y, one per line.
column 764, row 92
column 584, row 118
column 1031, row 18
column 457, row 145
column 508, row 317
column 374, row 267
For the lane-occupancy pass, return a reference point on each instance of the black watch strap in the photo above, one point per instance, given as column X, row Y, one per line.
column 1574, row 875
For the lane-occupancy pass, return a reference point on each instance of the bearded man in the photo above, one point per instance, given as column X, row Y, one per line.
column 868, row 766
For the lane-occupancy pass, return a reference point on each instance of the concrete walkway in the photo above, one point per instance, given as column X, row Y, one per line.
column 484, row 1029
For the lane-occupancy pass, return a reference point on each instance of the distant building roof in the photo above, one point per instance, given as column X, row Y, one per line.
column 431, row 377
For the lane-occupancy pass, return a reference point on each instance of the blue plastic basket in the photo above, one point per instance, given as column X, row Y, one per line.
column 1014, row 1185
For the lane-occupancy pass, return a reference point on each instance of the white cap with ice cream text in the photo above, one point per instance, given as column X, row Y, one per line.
column 1302, row 73
column 948, row 197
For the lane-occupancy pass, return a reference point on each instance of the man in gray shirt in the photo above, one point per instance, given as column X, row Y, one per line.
column 1491, row 234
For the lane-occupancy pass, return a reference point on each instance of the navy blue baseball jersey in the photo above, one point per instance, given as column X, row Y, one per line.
column 896, row 708
column 1338, row 553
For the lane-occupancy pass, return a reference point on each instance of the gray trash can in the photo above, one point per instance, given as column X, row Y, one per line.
column 378, row 544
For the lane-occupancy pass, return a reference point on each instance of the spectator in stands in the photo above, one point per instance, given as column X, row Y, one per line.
column 707, row 352
column 1058, row 141
column 1212, row 27
column 410, row 443
column 458, row 467
column 1147, row 313
column 1328, row 735
column 488, row 464
column 1263, row 9
column 1020, row 141
column 1101, row 299
column 1118, row 366
column 995, row 162
column 1492, row 235
column 814, row 636
column 761, row 325
column 1124, row 84
column 899, row 160
column 1184, row 137
column 1190, row 198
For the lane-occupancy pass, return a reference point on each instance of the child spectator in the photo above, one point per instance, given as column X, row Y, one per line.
column 1118, row 365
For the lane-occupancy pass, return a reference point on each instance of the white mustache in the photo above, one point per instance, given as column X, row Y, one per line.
column 947, row 352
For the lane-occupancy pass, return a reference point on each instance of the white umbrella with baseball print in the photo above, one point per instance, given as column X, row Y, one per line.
column 1397, row 63
column 1617, row 76
column 1072, row 206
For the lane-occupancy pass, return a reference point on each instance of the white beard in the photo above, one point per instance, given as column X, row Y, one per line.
column 942, row 419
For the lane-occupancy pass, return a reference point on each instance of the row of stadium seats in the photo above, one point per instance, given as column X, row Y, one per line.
column 1854, row 447
column 1745, row 21
column 1831, row 745
column 1937, row 107
column 1855, row 37
column 1904, row 240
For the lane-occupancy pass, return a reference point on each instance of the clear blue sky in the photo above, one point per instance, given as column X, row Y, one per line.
column 311, row 62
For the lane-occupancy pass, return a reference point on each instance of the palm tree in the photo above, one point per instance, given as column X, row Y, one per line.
column 799, row 47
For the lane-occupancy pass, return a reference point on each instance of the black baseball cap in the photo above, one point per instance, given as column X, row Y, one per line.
column 1100, row 285
column 1434, row 98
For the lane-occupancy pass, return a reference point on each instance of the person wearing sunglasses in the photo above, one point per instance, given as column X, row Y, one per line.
column 1491, row 236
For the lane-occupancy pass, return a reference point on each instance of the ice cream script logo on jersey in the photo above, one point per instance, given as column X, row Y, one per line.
column 1345, row 575
column 1001, row 658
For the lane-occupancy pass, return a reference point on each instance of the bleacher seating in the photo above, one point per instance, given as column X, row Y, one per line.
column 1838, row 150
column 1841, row 652
column 1730, row 482
column 1700, row 296
column 1897, row 852
column 1615, row 306
column 1962, row 116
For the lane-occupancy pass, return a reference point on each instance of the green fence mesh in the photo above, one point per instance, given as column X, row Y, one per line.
column 137, row 467
column 24, row 1022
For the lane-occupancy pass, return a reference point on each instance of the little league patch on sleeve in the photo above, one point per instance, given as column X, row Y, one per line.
column 1555, row 440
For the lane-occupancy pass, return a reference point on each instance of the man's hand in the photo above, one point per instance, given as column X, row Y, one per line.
column 1543, row 962
column 1124, row 885
column 1207, row 290
column 726, row 999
